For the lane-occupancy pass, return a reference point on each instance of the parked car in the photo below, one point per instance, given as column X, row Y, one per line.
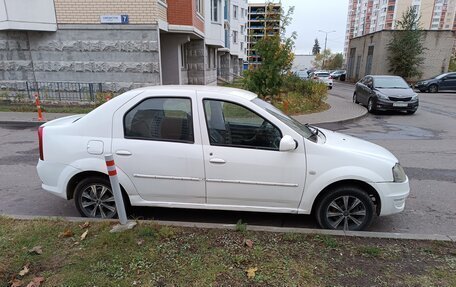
column 339, row 75
column 217, row 148
column 445, row 81
column 302, row 75
column 385, row 93
column 322, row 77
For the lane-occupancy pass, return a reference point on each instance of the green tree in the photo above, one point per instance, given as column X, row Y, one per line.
column 316, row 48
column 406, row 46
column 335, row 62
column 324, row 56
column 452, row 66
column 276, row 53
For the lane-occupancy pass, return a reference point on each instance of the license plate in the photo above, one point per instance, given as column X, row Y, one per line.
column 399, row 104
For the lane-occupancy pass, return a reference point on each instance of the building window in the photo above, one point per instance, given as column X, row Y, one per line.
column 199, row 6
column 242, row 13
column 215, row 8
column 242, row 29
column 235, row 11
column 235, row 36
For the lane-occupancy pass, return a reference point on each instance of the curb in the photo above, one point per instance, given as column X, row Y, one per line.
column 22, row 123
column 346, row 121
column 363, row 234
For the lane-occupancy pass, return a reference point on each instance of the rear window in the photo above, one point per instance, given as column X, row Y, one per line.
column 322, row 74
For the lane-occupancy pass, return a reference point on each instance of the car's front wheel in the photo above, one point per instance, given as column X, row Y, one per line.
column 94, row 198
column 355, row 98
column 370, row 106
column 433, row 88
column 345, row 208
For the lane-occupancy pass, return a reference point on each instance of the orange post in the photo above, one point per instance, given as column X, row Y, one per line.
column 38, row 107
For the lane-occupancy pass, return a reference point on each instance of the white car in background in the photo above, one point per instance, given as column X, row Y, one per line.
column 323, row 77
column 217, row 148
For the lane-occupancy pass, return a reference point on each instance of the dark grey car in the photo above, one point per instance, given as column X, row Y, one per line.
column 385, row 93
column 445, row 81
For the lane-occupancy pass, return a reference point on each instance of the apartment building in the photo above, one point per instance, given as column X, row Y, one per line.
column 263, row 19
column 368, row 16
column 121, row 44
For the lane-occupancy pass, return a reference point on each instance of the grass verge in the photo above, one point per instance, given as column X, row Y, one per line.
column 152, row 255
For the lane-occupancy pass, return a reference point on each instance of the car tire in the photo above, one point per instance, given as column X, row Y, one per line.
column 370, row 106
column 330, row 87
column 433, row 88
column 345, row 208
column 93, row 197
column 422, row 91
column 355, row 98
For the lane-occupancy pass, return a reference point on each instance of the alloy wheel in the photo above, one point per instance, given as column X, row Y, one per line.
column 98, row 201
column 346, row 213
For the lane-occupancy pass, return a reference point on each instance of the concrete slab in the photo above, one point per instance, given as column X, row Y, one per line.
column 123, row 227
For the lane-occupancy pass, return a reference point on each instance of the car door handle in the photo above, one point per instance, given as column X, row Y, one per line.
column 123, row 152
column 217, row 160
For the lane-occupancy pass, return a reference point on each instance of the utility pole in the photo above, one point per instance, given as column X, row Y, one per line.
column 326, row 40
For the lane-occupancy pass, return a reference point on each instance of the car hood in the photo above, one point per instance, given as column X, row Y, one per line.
column 399, row 93
column 357, row 146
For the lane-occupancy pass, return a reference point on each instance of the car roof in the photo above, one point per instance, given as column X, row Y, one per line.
column 234, row 92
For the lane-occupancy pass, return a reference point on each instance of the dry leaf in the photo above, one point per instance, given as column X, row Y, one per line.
column 36, row 250
column 251, row 272
column 24, row 271
column 16, row 283
column 36, row 282
column 84, row 235
column 249, row 243
column 66, row 233
column 140, row 242
column 84, row 225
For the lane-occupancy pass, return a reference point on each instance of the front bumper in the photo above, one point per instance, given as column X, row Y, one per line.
column 392, row 196
column 388, row 105
column 421, row 87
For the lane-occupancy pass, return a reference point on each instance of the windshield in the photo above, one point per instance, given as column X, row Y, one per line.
column 289, row 121
column 390, row 83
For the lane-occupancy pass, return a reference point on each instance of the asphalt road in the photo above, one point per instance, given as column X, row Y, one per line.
column 425, row 143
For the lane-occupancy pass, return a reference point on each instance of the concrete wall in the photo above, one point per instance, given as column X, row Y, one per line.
column 438, row 44
column 36, row 15
column 303, row 62
column 170, row 48
column 117, row 57
column 196, row 61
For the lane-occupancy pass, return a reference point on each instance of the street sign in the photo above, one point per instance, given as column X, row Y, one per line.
column 114, row 19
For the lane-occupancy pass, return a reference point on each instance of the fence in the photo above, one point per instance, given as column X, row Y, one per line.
column 52, row 91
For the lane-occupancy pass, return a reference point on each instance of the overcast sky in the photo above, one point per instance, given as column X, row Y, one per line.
column 313, row 15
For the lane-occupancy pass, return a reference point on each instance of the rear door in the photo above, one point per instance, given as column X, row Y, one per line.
column 449, row 82
column 244, row 167
column 157, row 143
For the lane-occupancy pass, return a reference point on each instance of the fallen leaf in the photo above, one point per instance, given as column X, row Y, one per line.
column 84, row 235
column 251, row 272
column 84, row 225
column 16, row 283
column 249, row 243
column 36, row 250
column 24, row 271
column 36, row 282
column 140, row 242
column 66, row 233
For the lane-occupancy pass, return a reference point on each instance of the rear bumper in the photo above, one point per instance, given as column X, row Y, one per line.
column 55, row 177
column 393, row 196
column 387, row 105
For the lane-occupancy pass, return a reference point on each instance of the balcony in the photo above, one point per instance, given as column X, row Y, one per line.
column 36, row 15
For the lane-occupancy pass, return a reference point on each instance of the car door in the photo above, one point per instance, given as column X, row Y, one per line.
column 244, row 168
column 361, row 91
column 157, row 143
column 448, row 82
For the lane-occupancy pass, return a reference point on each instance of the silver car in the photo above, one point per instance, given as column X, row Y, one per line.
column 323, row 77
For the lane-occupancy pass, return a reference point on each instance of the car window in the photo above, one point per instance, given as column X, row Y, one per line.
column 233, row 125
column 322, row 74
column 165, row 119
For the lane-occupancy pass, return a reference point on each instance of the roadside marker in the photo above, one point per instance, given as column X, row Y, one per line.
column 115, row 186
column 38, row 107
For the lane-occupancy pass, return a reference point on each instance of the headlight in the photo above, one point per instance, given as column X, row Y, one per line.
column 423, row 83
column 381, row 96
column 415, row 96
column 399, row 173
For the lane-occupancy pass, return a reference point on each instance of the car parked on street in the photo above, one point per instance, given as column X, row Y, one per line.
column 322, row 77
column 339, row 75
column 385, row 93
column 217, row 148
column 302, row 75
column 445, row 81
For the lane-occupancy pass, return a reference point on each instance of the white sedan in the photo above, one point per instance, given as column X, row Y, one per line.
column 322, row 77
column 217, row 148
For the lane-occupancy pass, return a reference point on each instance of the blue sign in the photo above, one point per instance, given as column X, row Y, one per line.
column 124, row 19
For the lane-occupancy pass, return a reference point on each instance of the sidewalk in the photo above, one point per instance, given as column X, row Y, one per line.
column 339, row 98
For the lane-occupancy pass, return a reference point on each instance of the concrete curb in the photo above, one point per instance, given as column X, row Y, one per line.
column 346, row 121
column 363, row 234
column 21, row 123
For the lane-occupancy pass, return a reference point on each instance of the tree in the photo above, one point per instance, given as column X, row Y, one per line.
column 335, row 62
column 406, row 46
column 320, row 58
column 316, row 48
column 452, row 65
column 276, row 53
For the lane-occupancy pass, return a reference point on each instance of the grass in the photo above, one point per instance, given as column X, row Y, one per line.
column 153, row 255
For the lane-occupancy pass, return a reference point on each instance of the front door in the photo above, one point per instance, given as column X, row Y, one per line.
column 448, row 83
column 157, row 144
column 244, row 167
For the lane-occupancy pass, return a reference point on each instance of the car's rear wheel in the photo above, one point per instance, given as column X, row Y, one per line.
column 433, row 89
column 93, row 197
column 355, row 98
column 370, row 106
column 345, row 208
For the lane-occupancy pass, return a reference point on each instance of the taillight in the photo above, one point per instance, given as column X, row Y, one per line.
column 315, row 78
column 40, row 141
column 330, row 77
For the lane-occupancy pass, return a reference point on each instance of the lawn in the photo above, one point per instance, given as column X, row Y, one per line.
column 154, row 255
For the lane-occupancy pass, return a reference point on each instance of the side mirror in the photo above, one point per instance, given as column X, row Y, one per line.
column 287, row 143
column 370, row 86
